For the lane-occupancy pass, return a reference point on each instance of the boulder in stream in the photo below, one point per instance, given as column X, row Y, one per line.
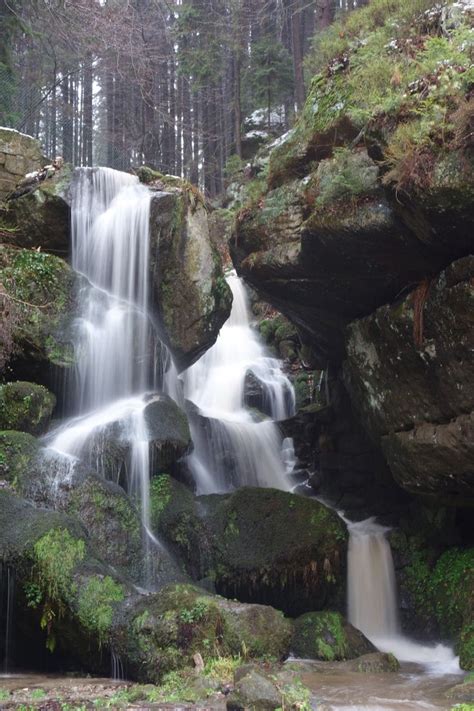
column 91, row 608
column 189, row 290
column 258, row 545
column 329, row 637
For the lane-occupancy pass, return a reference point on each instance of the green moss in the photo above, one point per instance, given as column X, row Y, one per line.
column 25, row 406
column 96, row 604
column 56, row 555
column 39, row 289
column 17, row 451
column 160, row 495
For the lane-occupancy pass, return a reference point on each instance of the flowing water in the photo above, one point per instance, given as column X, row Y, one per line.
column 233, row 448
column 233, row 445
column 115, row 343
column 372, row 600
column 7, row 592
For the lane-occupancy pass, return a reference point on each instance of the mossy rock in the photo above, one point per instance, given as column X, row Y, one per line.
column 375, row 663
column 89, row 607
column 42, row 217
column 329, row 637
column 189, row 291
column 17, row 452
column 26, row 407
column 39, row 292
column 259, row 545
column 168, row 430
column 170, row 627
column 436, row 582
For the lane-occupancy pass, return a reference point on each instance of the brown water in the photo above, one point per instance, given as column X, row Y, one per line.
column 333, row 688
column 411, row 689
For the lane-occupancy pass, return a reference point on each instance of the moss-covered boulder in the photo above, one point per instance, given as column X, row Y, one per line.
column 168, row 430
column 167, row 629
column 17, row 453
column 258, row 545
column 42, row 217
column 189, row 291
column 256, row 692
column 371, row 191
column 39, row 298
column 423, row 344
column 329, row 637
column 51, row 480
column 26, row 407
column 88, row 608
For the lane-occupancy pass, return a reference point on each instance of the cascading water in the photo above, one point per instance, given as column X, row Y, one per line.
column 372, row 599
column 231, row 448
column 7, row 592
column 115, row 343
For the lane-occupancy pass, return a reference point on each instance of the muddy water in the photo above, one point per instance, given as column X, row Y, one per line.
column 333, row 688
column 410, row 689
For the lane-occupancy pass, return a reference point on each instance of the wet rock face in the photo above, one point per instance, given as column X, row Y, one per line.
column 258, row 545
column 189, row 291
column 409, row 371
column 39, row 297
column 325, row 267
column 42, row 217
column 94, row 608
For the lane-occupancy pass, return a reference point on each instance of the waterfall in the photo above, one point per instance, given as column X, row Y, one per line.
column 115, row 344
column 372, row 599
column 232, row 447
column 7, row 591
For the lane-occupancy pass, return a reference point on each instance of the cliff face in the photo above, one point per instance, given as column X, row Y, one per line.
column 367, row 201
column 362, row 235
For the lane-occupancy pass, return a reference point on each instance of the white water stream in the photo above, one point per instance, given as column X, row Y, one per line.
column 115, row 343
column 233, row 448
column 372, row 600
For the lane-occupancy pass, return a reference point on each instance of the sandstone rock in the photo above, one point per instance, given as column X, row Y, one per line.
column 42, row 217
column 258, row 545
column 419, row 398
column 189, row 291
column 256, row 692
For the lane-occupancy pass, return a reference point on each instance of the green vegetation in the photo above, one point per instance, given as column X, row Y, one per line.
column 95, row 606
column 56, row 555
column 389, row 73
column 160, row 495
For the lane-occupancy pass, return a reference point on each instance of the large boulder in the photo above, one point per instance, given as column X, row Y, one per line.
column 108, row 447
column 367, row 195
column 42, row 216
column 26, row 407
column 38, row 296
column 423, row 345
column 19, row 154
column 258, row 545
column 89, row 608
column 57, row 482
column 168, row 430
column 189, row 291
column 328, row 636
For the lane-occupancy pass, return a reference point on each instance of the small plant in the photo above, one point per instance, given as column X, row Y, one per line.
column 4, row 694
column 194, row 614
column 38, row 694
